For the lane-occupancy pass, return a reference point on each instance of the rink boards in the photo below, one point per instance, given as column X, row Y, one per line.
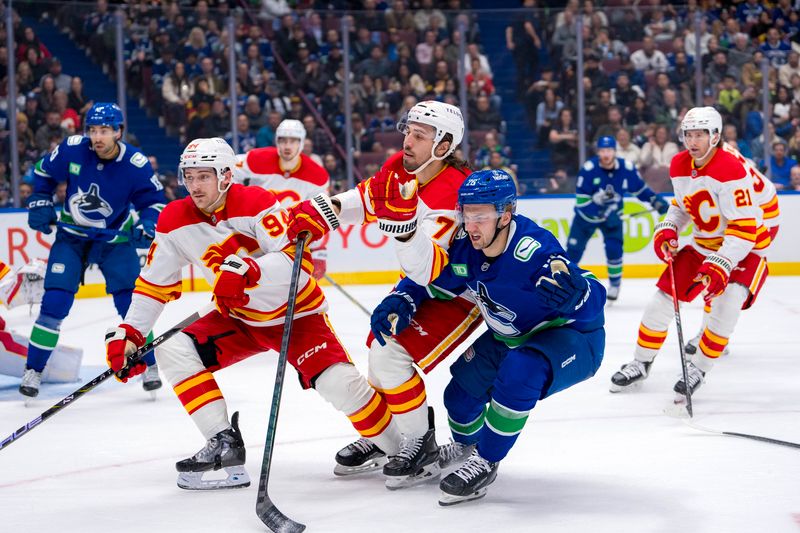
column 361, row 254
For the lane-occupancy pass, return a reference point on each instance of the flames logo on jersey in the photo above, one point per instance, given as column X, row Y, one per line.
column 694, row 204
column 216, row 253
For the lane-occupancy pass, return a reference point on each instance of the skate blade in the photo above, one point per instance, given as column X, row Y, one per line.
column 677, row 409
column 625, row 388
column 29, row 401
column 370, row 466
column 237, row 478
column 446, row 500
column 427, row 474
column 151, row 386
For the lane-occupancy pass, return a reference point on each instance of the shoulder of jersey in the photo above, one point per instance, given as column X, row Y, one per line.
column 311, row 172
column 76, row 140
column 241, row 201
column 681, row 165
column 724, row 166
column 442, row 191
column 627, row 165
column 137, row 159
column 262, row 160
column 531, row 239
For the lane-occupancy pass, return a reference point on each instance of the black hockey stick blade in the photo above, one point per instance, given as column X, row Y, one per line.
column 135, row 357
column 275, row 520
column 694, row 425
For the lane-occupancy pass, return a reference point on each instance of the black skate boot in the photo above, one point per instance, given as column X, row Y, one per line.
column 31, row 380
column 151, row 382
column 469, row 481
column 696, row 378
column 223, row 451
column 416, row 462
column 630, row 375
column 359, row 457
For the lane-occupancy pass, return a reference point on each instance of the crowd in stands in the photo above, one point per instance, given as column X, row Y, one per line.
column 639, row 79
column 639, row 67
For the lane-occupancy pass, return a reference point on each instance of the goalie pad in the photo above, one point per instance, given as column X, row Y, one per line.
column 24, row 286
column 63, row 366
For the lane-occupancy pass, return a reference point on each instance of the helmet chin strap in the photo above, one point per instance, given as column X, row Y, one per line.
column 430, row 160
column 497, row 229
column 215, row 204
column 711, row 146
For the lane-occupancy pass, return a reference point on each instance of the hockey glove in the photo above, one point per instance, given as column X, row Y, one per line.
column 143, row 234
column 315, row 216
column 235, row 275
column 712, row 277
column 121, row 342
column 665, row 241
column 41, row 213
column 392, row 316
column 394, row 201
column 660, row 205
column 565, row 290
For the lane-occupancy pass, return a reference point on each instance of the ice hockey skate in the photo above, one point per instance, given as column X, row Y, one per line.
column 416, row 462
column 612, row 293
column 29, row 387
column 630, row 376
column 696, row 378
column 468, row 482
column 224, row 451
column 151, row 382
column 359, row 457
column 453, row 454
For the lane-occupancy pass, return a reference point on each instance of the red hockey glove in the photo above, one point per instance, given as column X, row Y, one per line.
column 121, row 342
column 712, row 277
column 665, row 241
column 315, row 216
column 394, row 201
column 235, row 275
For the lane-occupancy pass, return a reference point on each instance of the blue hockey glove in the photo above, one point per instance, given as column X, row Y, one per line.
column 392, row 316
column 144, row 233
column 660, row 205
column 565, row 291
column 41, row 213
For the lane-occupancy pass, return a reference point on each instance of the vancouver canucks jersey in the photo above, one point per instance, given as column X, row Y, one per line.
column 623, row 178
column 504, row 286
column 100, row 193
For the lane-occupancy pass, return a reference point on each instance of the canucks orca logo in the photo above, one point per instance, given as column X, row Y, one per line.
column 82, row 205
column 499, row 317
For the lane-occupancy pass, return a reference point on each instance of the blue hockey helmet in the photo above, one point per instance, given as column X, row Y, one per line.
column 105, row 114
column 607, row 141
column 495, row 187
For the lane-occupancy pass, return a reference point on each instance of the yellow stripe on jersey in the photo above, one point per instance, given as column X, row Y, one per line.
column 160, row 293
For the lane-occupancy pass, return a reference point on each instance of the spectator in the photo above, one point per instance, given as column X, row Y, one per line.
column 423, row 15
column 208, row 72
column 546, row 114
column 606, row 48
column 47, row 89
column 247, row 139
column 741, row 52
column 474, row 53
column 26, row 189
column 50, row 131
column 490, row 146
column 266, row 134
column 424, row 50
column 612, row 123
column 32, row 112
column 780, row 165
column 62, row 81
column 729, row 135
column 623, row 94
column 498, row 162
column 376, row 66
column 669, row 114
column 629, row 27
column 333, row 167
column 31, row 41
column 255, row 115
column 718, row 69
column 564, row 140
column 564, row 34
column 558, row 183
column 25, row 80
column 197, row 127
column 308, row 149
column 381, row 120
column 658, row 151
column 690, row 42
column 748, row 12
column 625, row 148
column 399, row 17
column 794, row 145
column 649, row 58
column 791, row 68
column 76, row 99
column 776, row 50
column 481, row 77
column 781, row 108
column 757, row 144
column 176, row 91
column 729, row 96
column 483, row 117
column 593, row 19
column 69, row 117
column 659, row 28
column 363, row 139
column 524, row 43
column 794, row 179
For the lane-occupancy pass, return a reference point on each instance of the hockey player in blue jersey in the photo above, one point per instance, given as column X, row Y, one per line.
column 105, row 178
column 602, row 182
column 545, row 319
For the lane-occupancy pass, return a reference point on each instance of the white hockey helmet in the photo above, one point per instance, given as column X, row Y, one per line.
column 292, row 129
column 444, row 118
column 208, row 153
column 703, row 118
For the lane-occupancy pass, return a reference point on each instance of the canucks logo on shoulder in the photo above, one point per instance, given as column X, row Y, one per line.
column 84, row 204
column 498, row 317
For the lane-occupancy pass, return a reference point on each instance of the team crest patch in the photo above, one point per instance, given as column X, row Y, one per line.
column 459, row 269
column 74, row 168
column 469, row 354
column 525, row 248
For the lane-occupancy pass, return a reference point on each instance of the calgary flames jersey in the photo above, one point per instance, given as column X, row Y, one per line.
column 766, row 196
column 422, row 257
column 719, row 199
column 262, row 167
column 250, row 222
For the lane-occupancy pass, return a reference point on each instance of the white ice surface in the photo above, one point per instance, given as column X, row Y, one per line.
column 587, row 461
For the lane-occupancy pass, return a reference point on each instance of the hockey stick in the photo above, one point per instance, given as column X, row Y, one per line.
column 135, row 357
column 692, row 424
column 266, row 510
column 94, row 232
column 679, row 327
column 347, row 295
column 626, row 216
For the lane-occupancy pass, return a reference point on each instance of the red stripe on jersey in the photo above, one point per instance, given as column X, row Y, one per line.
column 241, row 201
column 373, row 418
column 267, row 161
column 407, row 397
column 197, row 391
column 722, row 167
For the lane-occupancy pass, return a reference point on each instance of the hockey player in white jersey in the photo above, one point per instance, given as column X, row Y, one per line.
column 236, row 237
column 290, row 174
column 725, row 262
